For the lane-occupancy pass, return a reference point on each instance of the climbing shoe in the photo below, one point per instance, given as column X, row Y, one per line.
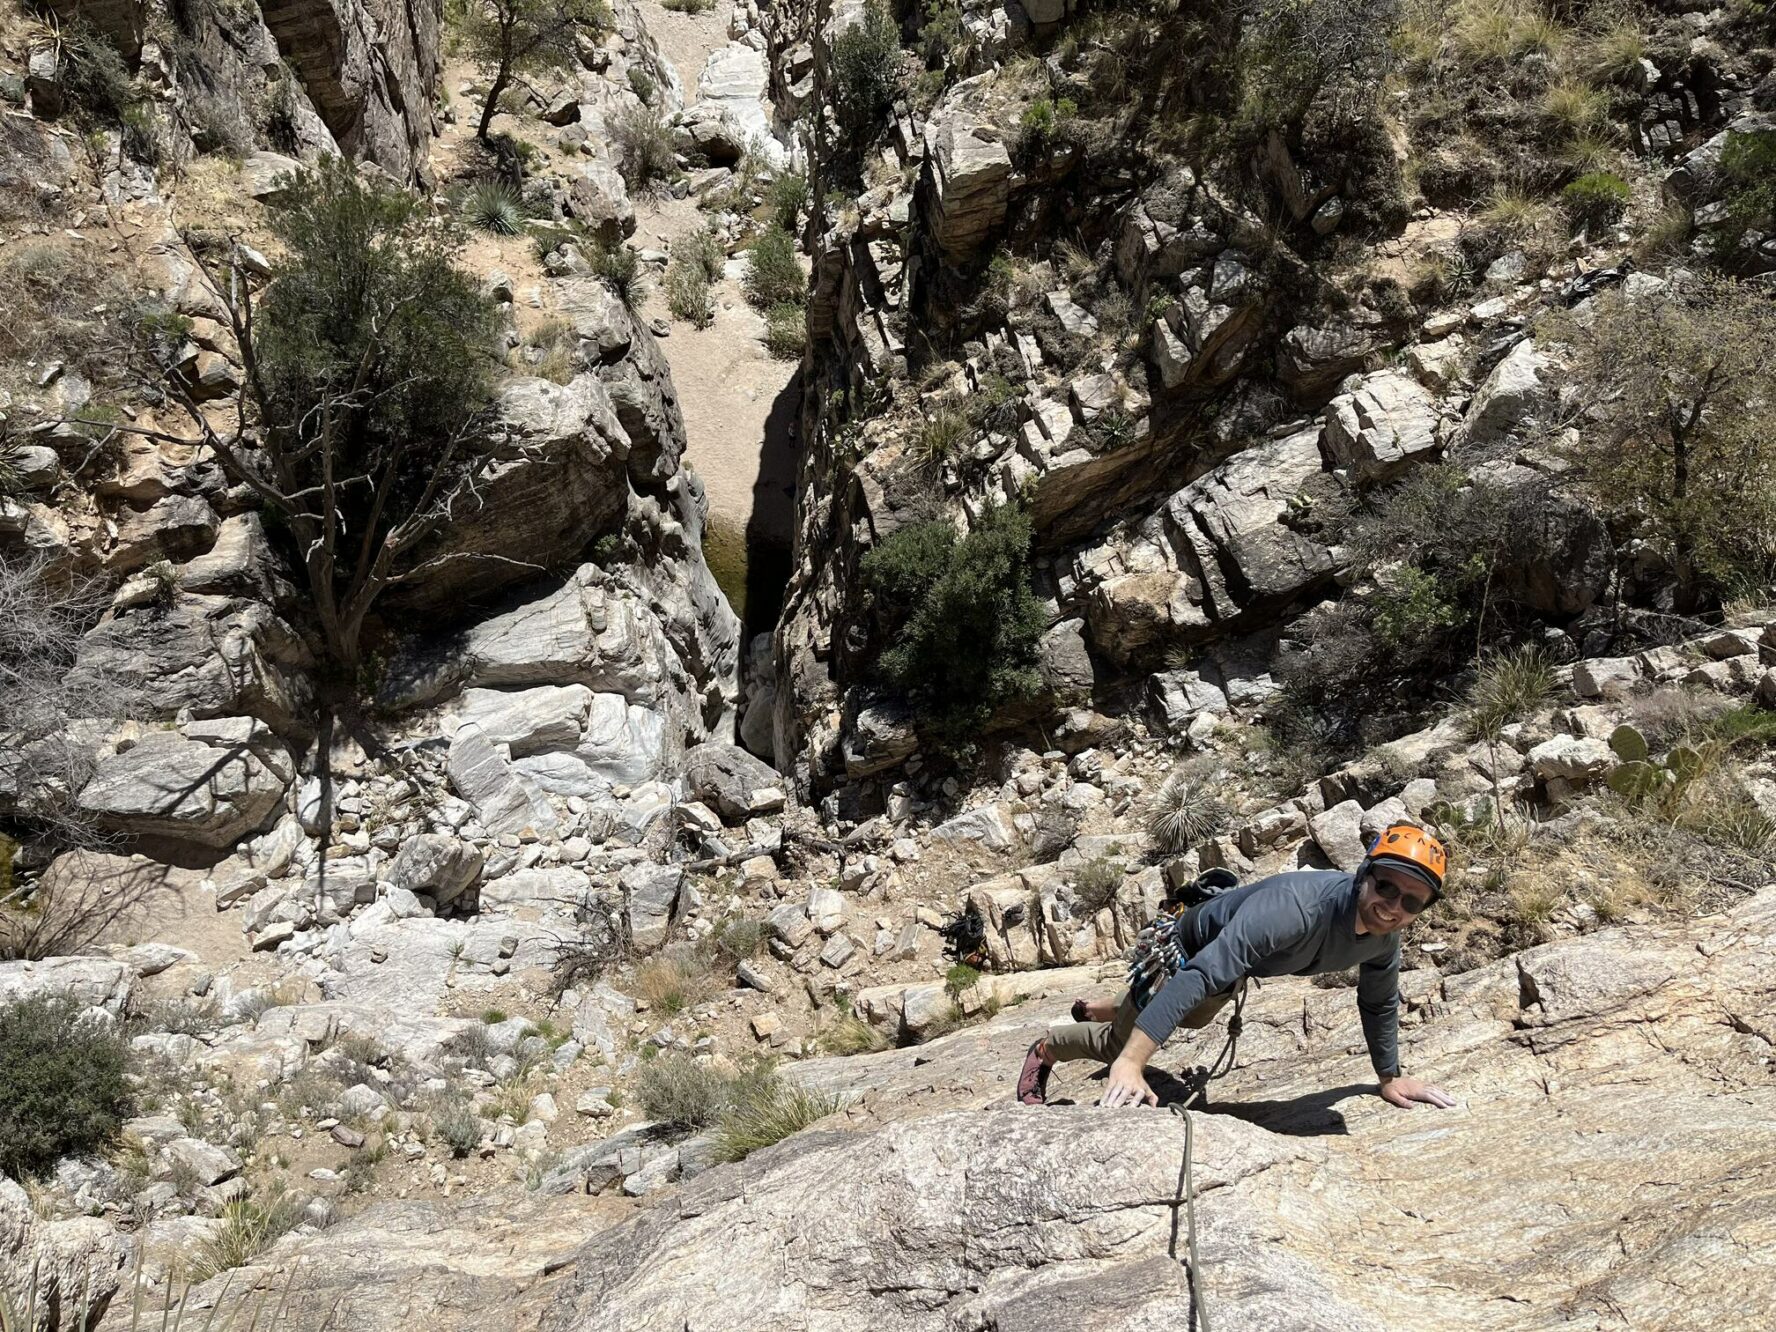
column 1032, row 1083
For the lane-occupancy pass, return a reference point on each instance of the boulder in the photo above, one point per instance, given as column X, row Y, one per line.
column 436, row 864
column 1383, row 426
column 881, row 736
column 97, row 982
column 650, row 901
column 197, row 656
column 557, row 482
column 172, row 528
column 505, row 800
column 208, row 783
column 1509, row 396
column 737, row 79
column 1576, row 759
column 599, row 200
column 1339, row 833
column 528, row 721
column 268, row 176
column 724, row 777
column 710, row 130
column 602, row 324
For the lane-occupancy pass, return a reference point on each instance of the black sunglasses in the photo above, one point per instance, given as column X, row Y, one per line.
column 1392, row 892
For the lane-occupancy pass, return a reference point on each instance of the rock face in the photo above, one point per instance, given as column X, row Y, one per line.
column 970, row 178
column 369, row 67
column 1585, row 1071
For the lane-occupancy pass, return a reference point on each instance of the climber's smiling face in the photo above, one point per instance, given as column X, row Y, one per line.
column 1390, row 899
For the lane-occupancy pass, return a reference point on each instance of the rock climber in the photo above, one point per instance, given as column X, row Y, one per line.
column 1297, row 924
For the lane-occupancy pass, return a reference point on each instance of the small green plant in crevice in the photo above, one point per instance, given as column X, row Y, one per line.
column 1508, row 687
column 491, row 205
column 767, row 1113
column 63, row 1089
column 677, row 978
column 1596, row 199
column 249, row 1227
column 1096, row 882
column 641, row 83
column 959, row 978
column 620, row 268
column 1042, row 124
column 936, row 438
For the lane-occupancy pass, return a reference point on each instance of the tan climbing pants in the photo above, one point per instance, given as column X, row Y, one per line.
column 1103, row 1041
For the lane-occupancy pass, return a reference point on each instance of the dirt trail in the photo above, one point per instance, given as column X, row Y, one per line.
column 732, row 391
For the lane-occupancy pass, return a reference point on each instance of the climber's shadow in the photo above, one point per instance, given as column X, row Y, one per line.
column 1309, row 1116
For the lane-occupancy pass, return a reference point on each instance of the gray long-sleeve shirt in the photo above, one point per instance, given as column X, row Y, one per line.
column 1295, row 924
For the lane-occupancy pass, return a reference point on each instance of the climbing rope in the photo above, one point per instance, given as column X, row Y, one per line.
column 1199, row 1082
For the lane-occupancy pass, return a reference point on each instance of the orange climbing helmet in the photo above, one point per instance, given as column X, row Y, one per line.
column 1414, row 850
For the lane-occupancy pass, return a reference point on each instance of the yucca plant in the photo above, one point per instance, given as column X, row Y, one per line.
column 1183, row 813
column 490, row 205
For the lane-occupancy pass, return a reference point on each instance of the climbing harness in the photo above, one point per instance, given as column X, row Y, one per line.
column 1159, row 949
column 1198, row 1082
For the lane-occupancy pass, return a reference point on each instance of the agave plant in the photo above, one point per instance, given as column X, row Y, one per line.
column 492, row 206
column 1183, row 813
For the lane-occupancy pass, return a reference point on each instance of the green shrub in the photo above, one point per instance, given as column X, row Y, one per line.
column 965, row 632
column 1596, row 199
column 95, row 81
column 490, row 205
column 1748, row 172
column 641, row 83
column 620, row 267
column 959, row 978
column 674, row 979
column 773, row 274
column 62, row 1084
column 1042, row 124
column 249, row 1227
column 1412, row 607
column 938, row 436
column 851, row 1035
column 141, row 133
column 688, row 6
column 866, row 62
column 687, row 293
column 1096, row 882
column 788, row 197
column 786, row 332
column 682, row 1093
column 703, row 249
column 643, row 149
column 1680, row 412
column 733, row 939
column 459, row 1130
column 1511, row 684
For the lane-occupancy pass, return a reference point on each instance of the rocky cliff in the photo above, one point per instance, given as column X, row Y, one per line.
column 1187, row 370
column 498, row 983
